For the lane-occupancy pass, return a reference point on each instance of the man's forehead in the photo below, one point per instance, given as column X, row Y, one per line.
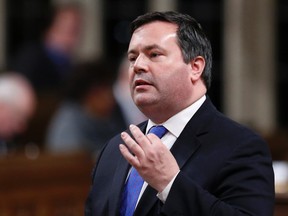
column 153, row 43
column 151, row 33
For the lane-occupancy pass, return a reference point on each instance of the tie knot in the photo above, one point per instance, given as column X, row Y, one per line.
column 158, row 130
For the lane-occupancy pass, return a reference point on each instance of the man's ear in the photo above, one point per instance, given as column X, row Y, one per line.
column 197, row 68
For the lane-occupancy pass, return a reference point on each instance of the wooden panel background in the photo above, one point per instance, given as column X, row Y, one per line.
column 46, row 186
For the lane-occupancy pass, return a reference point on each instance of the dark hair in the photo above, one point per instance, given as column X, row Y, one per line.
column 86, row 75
column 191, row 38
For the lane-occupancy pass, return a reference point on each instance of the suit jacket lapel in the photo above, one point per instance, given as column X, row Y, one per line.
column 119, row 180
column 184, row 147
column 190, row 139
column 117, row 185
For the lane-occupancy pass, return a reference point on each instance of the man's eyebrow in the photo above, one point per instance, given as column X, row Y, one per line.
column 146, row 48
column 153, row 46
column 131, row 52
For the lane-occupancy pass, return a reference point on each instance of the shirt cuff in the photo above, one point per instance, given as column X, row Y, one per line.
column 164, row 194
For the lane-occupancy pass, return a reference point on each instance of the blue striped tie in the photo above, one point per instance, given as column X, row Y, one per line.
column 134, row 183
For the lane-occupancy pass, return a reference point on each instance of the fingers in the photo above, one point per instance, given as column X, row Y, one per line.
column 152, row 159
column 134, row 151
column 140, row 138
column 153, row 139
column 128, row 156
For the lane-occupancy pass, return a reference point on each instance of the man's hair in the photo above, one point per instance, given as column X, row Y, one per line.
column 192, row 40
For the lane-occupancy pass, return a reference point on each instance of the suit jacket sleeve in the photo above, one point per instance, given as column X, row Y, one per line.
column 242, row 186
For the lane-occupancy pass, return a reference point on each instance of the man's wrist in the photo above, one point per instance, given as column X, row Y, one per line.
column 164, row 194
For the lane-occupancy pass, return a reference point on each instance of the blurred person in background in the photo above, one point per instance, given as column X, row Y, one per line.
column 47, row 63
column 88, row 115
column 17, row 105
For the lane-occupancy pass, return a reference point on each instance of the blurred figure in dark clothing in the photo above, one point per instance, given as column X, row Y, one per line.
column 48, row 63
column 85, row 119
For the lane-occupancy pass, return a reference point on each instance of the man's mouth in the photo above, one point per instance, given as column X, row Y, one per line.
column 141, row 82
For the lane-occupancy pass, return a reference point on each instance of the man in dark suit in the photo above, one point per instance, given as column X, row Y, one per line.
column 205, row 164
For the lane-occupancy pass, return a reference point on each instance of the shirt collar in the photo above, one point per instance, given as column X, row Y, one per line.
column 176, row 123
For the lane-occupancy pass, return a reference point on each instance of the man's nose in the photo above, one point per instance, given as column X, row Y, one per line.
column 141, row 64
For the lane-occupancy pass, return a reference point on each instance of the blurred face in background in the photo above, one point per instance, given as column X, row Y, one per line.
column 17, row 105
column 14, row 116
column 65, row 31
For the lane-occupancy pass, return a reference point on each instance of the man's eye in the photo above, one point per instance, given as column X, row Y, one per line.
column 153, row 55
column 132, row 59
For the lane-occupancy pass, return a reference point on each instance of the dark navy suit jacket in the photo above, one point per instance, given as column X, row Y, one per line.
column 225, row 170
